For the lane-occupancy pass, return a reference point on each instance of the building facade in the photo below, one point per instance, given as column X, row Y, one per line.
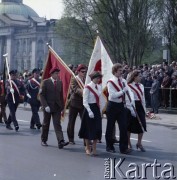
column 23, row 36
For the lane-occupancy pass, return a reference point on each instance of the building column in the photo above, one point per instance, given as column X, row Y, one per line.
column 33, row 54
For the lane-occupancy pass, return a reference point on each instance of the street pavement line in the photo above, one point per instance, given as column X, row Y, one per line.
column 22, row 120
column 134, row 139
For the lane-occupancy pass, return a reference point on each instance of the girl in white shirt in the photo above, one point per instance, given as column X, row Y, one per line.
column 91, row 127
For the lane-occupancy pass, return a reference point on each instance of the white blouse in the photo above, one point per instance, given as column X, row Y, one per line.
column 89, row 97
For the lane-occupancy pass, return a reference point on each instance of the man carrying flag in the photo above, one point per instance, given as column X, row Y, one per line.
column 53, row 95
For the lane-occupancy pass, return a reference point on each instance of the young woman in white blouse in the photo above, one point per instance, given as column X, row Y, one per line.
column 91, row 126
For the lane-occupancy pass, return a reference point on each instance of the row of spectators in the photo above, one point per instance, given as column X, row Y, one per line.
column 164, row 73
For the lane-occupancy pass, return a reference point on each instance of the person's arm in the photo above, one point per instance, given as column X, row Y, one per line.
column 43, row 94
column 113, row 93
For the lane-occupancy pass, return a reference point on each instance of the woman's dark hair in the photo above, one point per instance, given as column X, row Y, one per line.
column 133, row 75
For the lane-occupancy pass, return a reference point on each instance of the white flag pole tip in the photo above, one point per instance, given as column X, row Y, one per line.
column 5, row 55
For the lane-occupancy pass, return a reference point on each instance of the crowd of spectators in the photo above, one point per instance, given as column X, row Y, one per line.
column 166, row 75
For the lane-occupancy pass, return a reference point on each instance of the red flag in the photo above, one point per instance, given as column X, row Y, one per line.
column 65, row 75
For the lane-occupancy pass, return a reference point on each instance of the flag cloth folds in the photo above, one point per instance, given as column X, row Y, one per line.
column 65, row 75
column 100, row 61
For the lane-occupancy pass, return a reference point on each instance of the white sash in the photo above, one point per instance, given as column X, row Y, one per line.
column 35, row 81
column 14, row 84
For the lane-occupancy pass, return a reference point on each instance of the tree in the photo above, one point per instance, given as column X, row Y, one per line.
column 76, row 45
column 126, row 27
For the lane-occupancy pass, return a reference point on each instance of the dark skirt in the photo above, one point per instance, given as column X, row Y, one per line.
column 133, row 124
column 91, row 128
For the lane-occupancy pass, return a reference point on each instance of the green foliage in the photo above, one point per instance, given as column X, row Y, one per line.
column 77, row 46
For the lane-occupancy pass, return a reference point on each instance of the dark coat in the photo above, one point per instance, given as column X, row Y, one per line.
column 49, row 96
column 76, row 95
column 33, row 89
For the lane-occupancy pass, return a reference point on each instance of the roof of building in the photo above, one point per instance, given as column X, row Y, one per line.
column 16, row 7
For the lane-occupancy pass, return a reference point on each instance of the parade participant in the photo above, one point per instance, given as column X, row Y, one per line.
column 3, row 103
column 91, row 125
column 76, row 101
column 51, row 98
column 116, row 110
column 18, row 91
column 134, row 126
column 32, row 90
column 154, row 91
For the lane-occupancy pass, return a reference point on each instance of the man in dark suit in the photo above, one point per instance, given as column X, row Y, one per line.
column 32, row 90
column 76, row 101
column 3, row 103
column 51, row 97
column 18, row 91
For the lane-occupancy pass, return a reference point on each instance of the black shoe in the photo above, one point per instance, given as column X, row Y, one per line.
column 116, row 141
column 1, row 122
column 9, row 127
column 99, row 141
column 16, row 128
column 32, row 127
column 111, row 150
column 39, row 126
column 62, row 144
column 127, row 151
column 43, row 143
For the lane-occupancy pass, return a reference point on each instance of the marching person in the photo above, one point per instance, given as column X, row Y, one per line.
column 91, row 125
column 32, row 90
column 116, row 110
column 3, row 103
column 134, row 125
column 18, row 91
column 76, row 101
column 51, row 97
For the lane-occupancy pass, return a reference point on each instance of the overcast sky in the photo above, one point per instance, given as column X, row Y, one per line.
column 46, row 8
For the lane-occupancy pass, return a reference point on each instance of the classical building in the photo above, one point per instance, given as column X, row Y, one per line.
column 23, row 35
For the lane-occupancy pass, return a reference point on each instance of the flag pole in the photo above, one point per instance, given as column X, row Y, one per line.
column 64, row 64
column 10, row 81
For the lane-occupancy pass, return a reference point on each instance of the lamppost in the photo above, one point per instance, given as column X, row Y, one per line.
column 166, row 50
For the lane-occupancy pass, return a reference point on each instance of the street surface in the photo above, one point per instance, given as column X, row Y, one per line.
column 23, row 158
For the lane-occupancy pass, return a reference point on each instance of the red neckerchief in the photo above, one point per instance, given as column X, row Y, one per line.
column 95, row 94
column 136, row 91
column 35, row 82
column 116, row 87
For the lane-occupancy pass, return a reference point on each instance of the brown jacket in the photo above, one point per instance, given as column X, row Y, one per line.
column 49, row 96
column 76, row 96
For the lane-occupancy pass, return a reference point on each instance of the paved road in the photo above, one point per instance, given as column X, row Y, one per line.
column 23, row 158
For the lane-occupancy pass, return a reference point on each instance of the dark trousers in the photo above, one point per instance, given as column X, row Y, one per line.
column 12, row 115
column 155, row 102
column 56, row 116
column 73, row 112
column 3, row 112
column 116, row 112
column 35, row 116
